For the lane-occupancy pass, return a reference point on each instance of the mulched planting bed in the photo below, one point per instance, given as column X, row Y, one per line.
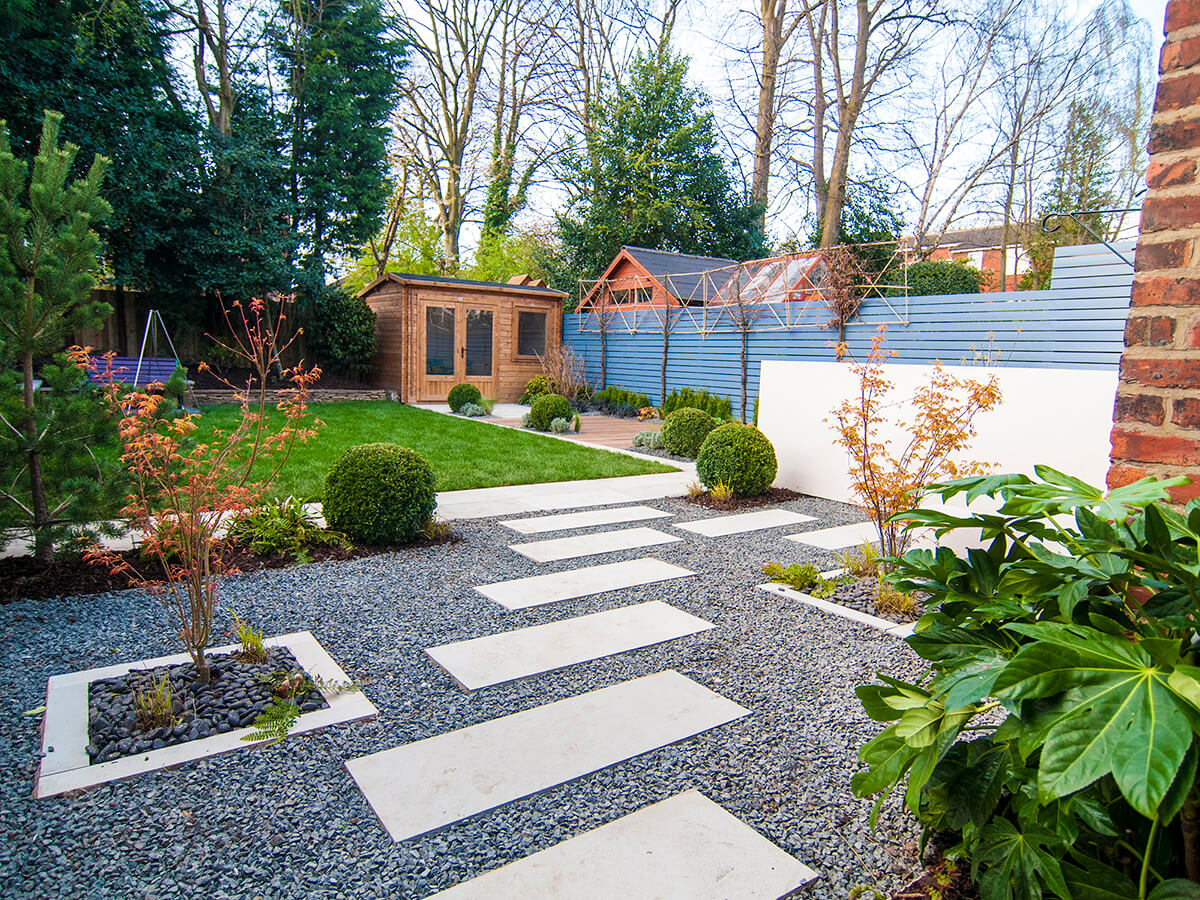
column 772, row 496
column 24, row 578
column 238, row 691
column 945, row 881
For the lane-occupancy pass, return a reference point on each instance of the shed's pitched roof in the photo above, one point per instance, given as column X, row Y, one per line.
column 441, row 279
column 682, row 274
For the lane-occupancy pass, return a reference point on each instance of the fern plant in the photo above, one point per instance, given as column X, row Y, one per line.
column 275, row 721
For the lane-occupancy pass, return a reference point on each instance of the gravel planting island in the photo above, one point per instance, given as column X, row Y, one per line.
column 289, row 820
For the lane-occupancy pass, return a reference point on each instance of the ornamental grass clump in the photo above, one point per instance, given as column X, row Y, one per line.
column 739, row 457
column 1056, row 733
column 184, row 493
column 380, row 494
column 684, row 431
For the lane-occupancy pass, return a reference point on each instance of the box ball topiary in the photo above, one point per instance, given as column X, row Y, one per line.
column 739, row 456
column 462, row 394
column 547, row 408
column 379, row 494
column 685, row 429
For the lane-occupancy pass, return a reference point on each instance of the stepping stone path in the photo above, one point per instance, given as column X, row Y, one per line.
column 682, row 848
column 498, row 658
column 419, row 787
column 593, row 544
column 585, row 519
column 520, row 593
column 719, row 526
column 839, row 537
column 685, row 847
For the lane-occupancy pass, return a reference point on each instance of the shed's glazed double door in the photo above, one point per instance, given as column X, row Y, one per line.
column 457, row 344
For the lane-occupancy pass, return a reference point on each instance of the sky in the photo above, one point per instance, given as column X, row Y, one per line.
column 711, row 34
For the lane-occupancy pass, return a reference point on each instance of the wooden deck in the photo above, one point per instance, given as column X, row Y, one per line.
column 606, row 431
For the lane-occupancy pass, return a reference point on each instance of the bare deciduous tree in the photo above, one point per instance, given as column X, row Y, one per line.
column 439, row 95
column 848, row 68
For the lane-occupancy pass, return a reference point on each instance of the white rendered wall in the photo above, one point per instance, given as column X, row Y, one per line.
column 1059, row 417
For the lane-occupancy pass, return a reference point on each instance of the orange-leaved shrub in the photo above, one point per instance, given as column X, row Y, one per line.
column 184, row 491
column 938, row 430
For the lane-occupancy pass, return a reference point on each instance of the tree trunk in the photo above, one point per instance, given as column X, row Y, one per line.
column 772, row 17
column 745, row 367
column 1189, row 823
column 1006, row 232
column 37, row 486
column 603, row 348
column 662, row 378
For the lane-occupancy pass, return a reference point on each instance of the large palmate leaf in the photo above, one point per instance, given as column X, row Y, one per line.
column 1109, row 711
column 1019, row 862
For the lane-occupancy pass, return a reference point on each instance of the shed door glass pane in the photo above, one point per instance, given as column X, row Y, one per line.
column 531, row 334
column 439, row 340
column 479, row 343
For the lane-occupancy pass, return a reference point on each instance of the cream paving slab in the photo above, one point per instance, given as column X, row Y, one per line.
column 556, row 549
column 585, row 519
column 425, row 785
column 520, row 593
column 64, row 725
column 497, row 658
column 719, row 526
column 838, row 537
column 515, row 499
column 683, row 848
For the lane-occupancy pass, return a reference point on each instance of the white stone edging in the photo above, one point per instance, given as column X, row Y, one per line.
column 65, row 764
column 896, row 629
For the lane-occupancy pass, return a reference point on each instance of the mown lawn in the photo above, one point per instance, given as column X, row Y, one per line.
column 463, row 453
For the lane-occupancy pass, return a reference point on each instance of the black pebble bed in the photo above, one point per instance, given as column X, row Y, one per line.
column 860, row 595
column 237, row 692
column 288, row 821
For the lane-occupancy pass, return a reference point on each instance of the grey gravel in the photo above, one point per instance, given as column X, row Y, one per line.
column 288, row 821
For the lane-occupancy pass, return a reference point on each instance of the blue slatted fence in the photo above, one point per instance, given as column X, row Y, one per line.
column 1079, row 323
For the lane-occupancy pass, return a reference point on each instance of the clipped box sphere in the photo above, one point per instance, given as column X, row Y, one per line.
column 684, row 431
column 462, row 394
column 547, row 408
column 380, row 494
column 739, row 457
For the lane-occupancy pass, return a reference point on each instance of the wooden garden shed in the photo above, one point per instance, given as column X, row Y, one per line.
column 432, row 333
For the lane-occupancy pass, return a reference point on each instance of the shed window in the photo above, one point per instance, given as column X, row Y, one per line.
column 531, row 334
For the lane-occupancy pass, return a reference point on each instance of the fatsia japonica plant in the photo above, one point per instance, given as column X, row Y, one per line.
column 1055, row 732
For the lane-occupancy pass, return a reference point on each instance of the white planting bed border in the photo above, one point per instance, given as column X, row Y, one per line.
column 896, row 629
column 65, row 765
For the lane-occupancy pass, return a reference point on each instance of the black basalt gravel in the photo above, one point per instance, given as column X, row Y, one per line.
column 237, row 692
column 288, row 821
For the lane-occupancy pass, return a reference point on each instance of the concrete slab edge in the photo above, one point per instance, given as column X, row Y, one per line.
column 895, row 629
column 64, row 725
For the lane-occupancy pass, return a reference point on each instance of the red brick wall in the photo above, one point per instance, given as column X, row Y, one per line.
column 1156, row 418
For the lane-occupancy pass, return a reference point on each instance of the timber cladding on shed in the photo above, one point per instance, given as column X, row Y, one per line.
column 432, row 333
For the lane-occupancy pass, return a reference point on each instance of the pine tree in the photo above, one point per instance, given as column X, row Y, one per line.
column 49, row 257
column 1083, row 181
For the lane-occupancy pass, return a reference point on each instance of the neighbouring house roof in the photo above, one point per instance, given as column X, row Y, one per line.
column 523, row 288
column 983, row 237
